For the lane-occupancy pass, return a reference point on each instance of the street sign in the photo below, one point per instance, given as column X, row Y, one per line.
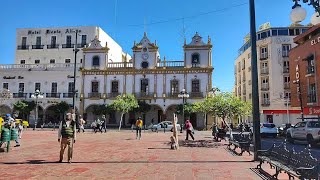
column 311, row 110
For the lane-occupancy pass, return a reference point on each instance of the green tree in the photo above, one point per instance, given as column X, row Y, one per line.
column 203, row 107
column 61, row 108
column 98, row 110
column 226, row 105
column 20, row 107
column 143, row 109
column 187, row 108
column 124, row 104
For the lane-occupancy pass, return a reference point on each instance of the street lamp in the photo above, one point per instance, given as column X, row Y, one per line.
column 298, row 13
column 76, row 50
column 37, row 94
column 184, row 95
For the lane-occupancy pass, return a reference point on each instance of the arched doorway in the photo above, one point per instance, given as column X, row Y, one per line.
column 4, row 109
column 155, row 115
column 52, row 116
column 170, row 111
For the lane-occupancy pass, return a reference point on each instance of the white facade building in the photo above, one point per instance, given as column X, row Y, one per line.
column 45, row 61
column 273, row 46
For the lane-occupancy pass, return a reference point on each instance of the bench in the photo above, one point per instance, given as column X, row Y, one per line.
column 219, row 134
column 240, row 141
column 301, row 165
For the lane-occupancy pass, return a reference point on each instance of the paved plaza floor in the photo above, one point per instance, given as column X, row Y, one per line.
column 118, row 155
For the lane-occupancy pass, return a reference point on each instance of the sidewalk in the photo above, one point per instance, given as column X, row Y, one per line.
column 118, row 155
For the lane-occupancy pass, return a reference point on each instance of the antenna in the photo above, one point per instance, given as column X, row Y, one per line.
column 115, row 17
column 145, row 24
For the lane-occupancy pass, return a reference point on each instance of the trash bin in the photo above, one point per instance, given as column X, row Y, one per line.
column 5, row 135
column 14, row 134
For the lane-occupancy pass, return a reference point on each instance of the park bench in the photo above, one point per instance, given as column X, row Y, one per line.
column 240, row 141
column 219, row 135
column 301, row 165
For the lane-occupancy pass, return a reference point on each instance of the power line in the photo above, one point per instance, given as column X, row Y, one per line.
column 189, row 17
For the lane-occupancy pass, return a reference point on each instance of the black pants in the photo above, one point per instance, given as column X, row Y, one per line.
column 189, row 132
column 138, row 132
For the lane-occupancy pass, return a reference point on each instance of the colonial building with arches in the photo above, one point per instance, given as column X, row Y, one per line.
column 104, row 71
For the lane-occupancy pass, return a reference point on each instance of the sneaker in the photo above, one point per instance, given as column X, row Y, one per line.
column 17, row 145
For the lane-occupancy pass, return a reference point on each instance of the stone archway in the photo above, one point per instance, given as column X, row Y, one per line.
column 51, row 115
column 155, row 115
column 88, row 115
column 5, row 109
column 170, row 111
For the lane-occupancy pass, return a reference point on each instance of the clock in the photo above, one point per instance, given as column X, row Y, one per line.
column 145, row 56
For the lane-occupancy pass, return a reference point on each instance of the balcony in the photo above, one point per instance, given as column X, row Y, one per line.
column 120, row 65
column 265, row 102
column 173, row 95
column 53, row 95
column 286, row 85
column 310, row 69
column 23, row 47
column 264, row 87
column 195, row 65
column 69, row 95
column 37, row 46
column 264, row 56
column 196, row 95
column 94, row 95
column 170, row 64
column 264, row 71
column 67, row 45
column 285, row 53
column 113, row 95
column 144, row 95
column 285, row 69
column 53, row 46
column 19, row 95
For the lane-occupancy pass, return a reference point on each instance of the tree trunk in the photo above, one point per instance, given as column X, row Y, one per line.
column 121, row 120
column 206, row 120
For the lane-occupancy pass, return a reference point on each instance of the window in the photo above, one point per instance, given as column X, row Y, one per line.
column 114, row 86
column 243, row 63
column 24, row 42
column 291, row 32
column 83, row 40
column 144, row 85
column 37, row 87
column 265, row 99
column 285, row 50
column 274, row 33
column 249, row 55
column 53, row 41
column 286, row 79
column 38, row 41
column 195, row 59
column 5, row 85
column 67, row 61
column 314, row 124
column 144, row 64
column 70, row 87
column 310, row 66
column 96, row 61
column 68, row 41
column 37, row 61
column 54, row 87
column 195, row 87
column 94, row 86
column 264, row 53
column 265, row 83
column 283, row 32
column 174, row 86
column 21, row 87
column 52, row 61
column 312, row 95
column 239, row 65
column 22, row 61
column 264, row 68
column 287, row 95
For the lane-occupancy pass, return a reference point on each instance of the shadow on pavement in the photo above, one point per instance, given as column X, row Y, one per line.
column 119, row 162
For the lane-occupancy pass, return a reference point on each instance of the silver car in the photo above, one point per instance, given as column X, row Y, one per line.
column 167, row 125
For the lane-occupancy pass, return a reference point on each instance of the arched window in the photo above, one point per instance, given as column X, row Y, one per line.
column 195, row 59
column 96, row 61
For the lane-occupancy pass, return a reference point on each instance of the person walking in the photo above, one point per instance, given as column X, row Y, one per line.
column 189, row 130
column 67, row 136
column 81, row 124
column 104, row 123
column 139, row 124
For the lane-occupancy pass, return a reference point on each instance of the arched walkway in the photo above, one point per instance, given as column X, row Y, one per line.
column 88, row 115
column 52, row 116
column 155, row 115
column 5, row 109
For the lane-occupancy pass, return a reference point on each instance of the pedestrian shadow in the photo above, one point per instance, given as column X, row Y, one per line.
column 160, row 148
column 124, row 162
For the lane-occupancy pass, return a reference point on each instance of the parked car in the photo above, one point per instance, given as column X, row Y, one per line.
column 307, row 130
column 267, row 129
column 167, row 125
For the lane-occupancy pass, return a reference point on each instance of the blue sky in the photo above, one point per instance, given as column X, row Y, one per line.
column 124, row 20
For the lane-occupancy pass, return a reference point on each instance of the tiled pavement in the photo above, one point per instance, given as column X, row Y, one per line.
column 118, row 155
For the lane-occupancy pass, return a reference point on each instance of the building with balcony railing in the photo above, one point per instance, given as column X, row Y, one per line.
column 273, row 46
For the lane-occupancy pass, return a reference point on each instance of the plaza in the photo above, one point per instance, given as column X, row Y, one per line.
column 118, row 155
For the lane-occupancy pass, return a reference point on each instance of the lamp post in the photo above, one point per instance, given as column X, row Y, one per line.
column 37, row 94
column 298, row 13
column 76, row 50
column 255, row 87
column 184, row 95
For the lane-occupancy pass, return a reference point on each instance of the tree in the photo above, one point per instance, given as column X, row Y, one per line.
column 143, row 109
column 61, row 108
column 187, row 108
column 102, row 109
column 203, row 107
column 124, row 104
column 21, row 108
column 226, row 105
